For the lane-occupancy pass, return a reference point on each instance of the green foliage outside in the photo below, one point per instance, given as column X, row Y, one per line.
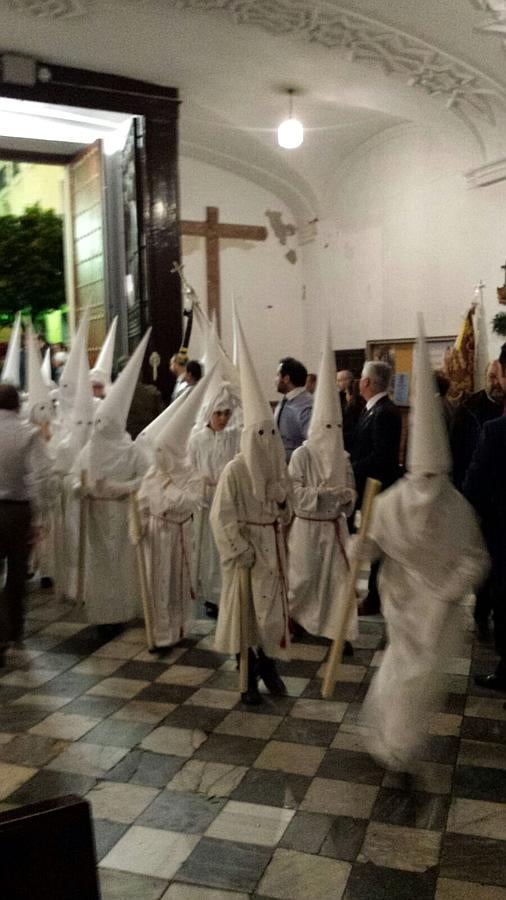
column 31, row 263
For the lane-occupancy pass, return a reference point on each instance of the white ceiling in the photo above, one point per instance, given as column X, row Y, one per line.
column 362, row 67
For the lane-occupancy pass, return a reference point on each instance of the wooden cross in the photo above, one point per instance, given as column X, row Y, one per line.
column 212, row 231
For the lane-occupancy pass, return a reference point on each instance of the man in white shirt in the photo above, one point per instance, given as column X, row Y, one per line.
column 25, row 466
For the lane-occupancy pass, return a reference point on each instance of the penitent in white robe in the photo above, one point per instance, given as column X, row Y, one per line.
column 238, row 521
column 318, row 549
column 167, row 510
column 111, row 584
column 433, row 555
column 210, row 451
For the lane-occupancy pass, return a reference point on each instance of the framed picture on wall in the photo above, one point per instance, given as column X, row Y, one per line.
column 398, row 354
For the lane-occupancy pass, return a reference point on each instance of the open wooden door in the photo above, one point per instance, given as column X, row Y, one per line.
column 86, row 188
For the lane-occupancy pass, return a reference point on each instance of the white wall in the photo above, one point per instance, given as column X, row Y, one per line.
column 267, row 288
column 404, row 233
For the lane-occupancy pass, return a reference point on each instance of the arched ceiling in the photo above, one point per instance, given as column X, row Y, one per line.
column 362, row 67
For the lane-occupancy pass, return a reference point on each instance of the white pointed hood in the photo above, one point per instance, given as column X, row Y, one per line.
column 67, row 384
column 11, row 367
column 325, row 434
column 221, row 394
column 147, row 437
column 261, row 443
column 171, row 442
column 39, row 403
column 102, row 370
column 112, row 413
column 46, row 369
column 428, row 448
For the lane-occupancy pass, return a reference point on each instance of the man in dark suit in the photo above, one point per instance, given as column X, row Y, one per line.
column 375, row 452
column 485, row 488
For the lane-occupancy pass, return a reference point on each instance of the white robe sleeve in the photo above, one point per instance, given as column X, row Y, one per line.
column 224, row 520
column 305, row 495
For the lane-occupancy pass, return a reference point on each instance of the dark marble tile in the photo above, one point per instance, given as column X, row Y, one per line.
column 116, row 885
column 71, row 684
column 84, row 643
column 344, row 691
column 441, row 749
column 297, row 668
column 144, row 671
column 148, row 769
column 46, row 785
column 270, row 706
column 223, row 681
column 454, row 703
column 107, row 834
column 347, row 765
column 225, row 864
column 484, row 730
column 473, row 858
column 226, row 748
column 345, row 838
column 353, row 714
column 166, row 693
column 272, row 788
column 95, row 707
column 181, row 811
column 306, row 832
column 20, row 718
column 10, row 692
column 411, row 809
column 306, row 731
column 202, row 717
column 58, row 662
column 206, row 659
column 369, row 882
column 118, row 733
column 32, row 750
column 480, row 783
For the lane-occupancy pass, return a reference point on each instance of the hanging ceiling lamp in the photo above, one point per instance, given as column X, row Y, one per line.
column 290, row 132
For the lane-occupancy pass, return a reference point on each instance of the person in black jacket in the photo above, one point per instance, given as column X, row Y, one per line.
column 375, row 451
column 485, row 487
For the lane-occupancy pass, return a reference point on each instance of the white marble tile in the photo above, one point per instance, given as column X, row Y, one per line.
column 294, row 686
column 409, row 849
column 291, row 875
column 320, row 710
column 144, row 711
column 152, row 852
column 448, row 889
column 135, row 635
column 194, row 892
column 168, row 657
column 46, row 701
column 29, row 678
column 482, row 753
column 486, row 708
column 120, row 802
column 283, row 756
column 64, row 629
column 345, row 741
column 251, row 823
column 209, row 778
column 22, row 656
column 249, row 725
column 351, row 674
column 215, row 698
column 68, row 727
column 118, row 687
column 340, row 798
column 5, row 738
column 174, row 741
column 477, row 817
column 12, row 777
column 308, row 652
column 191, row 676
column 94, row 665
column 445, row 724
column 87, row 759
column 118, row 649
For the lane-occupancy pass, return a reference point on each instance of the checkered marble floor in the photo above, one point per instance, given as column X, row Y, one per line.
column 195, row 796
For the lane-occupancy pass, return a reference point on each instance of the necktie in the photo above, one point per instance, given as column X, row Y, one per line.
column 281, row 408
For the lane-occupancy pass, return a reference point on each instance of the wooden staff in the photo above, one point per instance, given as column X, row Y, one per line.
column 83, row 536
column 198, row 541
column 143, row 575
column 245, row 601
column 336, row 653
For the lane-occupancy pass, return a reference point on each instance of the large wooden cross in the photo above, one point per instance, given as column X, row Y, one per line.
column 212, row 231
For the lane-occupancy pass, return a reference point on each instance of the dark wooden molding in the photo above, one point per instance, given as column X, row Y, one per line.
column 33, row 156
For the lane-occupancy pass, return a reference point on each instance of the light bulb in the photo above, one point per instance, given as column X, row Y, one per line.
column 290, row 134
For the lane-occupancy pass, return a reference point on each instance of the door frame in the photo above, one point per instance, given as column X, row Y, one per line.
column 159, row 215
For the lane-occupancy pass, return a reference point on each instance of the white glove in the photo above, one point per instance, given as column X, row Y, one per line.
column 246, row 559
column 343, row 496
column 275, row 492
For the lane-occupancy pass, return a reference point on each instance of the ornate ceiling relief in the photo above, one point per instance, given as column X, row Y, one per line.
column 466, row 91
column 51, row 9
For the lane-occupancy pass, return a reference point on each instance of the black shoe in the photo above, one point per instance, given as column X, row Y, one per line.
column 211, row 610
column 347, row 649
column 370, row 606
column 252, row 696
column 482, row 632
column 266, row 668
column 493, row 682
column 46, row 583
column 2, row 659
